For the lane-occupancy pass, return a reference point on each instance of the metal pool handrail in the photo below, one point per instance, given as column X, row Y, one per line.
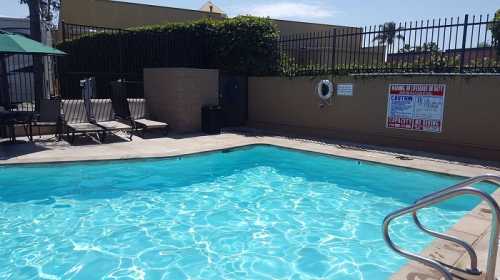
column 462, row 188
column 472, row 254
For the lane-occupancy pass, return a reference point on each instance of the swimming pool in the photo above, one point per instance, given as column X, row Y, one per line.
column 259, row 212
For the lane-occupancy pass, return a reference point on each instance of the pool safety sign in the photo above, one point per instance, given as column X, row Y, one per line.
column 416, row 107
column 344, row 89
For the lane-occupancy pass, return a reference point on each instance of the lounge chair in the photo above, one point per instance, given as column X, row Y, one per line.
column 100, row 111
column 75, row 120
column 140, row 117
column 134, row 110
column 102, row 114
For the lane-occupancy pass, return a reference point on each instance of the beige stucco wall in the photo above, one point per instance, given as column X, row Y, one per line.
column 288, row 27
column 310, row 44
column 116, row 14
column 471, row 124
column 176, row 95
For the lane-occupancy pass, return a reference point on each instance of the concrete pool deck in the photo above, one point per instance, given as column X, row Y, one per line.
column 473, row 227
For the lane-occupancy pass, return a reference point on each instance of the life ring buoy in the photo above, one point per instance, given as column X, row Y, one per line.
column 325, row 89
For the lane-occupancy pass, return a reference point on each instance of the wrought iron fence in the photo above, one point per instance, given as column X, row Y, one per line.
column 449, row 45
column 133, row 54
column 70, row 31
column 441, row 45
column 19, row 83
column 74, row 68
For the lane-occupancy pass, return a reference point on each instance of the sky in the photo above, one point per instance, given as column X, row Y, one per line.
column 340, row 12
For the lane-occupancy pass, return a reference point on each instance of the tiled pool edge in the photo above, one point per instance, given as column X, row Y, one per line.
column 468, row 227
column 238, row 141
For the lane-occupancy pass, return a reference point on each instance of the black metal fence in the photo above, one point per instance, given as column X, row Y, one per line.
column 441, row 45
column 133, row 53
column 20, row 87
column 73, row 68
column 71, row 31
column 450, row 45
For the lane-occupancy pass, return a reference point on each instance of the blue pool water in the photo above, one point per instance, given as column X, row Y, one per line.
column 256, row 213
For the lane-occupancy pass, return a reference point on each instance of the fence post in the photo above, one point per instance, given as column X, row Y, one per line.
column 63, row 30
column 334, row 49
column 120, row 47
column 464, row 42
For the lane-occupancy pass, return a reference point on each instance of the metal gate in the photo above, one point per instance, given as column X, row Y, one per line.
column 233, row 98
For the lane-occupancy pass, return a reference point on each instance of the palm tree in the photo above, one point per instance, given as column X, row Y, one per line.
column 388, row 34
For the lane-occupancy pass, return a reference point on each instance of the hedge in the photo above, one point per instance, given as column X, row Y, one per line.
column 243, row 45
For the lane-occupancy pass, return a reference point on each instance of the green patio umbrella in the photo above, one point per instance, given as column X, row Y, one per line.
column 17, row 44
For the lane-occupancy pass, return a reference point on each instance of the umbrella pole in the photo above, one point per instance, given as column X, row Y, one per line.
column 4, row 88
column 38, row 79
column 4, row 82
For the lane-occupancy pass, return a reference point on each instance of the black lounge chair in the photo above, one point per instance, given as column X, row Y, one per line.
column 133, row 110
column 75, row 120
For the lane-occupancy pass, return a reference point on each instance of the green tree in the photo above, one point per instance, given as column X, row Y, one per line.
column 484, row 45
column 44, row 9
column 426, row 47
column 495, row 31
column 406, row 48
column 388, row 34
column 430, row 47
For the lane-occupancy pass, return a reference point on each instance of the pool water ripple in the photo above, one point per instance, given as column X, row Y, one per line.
column 261, row 213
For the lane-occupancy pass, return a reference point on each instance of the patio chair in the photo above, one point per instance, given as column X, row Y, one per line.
column 101, row 113
column 12, row 119
column 7, row 123
column 49, row 116
column 140, row 117
column 134, row 110
column 75, row 120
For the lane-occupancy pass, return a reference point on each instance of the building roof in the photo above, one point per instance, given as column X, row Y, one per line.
column 15, row 25
column 211, row 8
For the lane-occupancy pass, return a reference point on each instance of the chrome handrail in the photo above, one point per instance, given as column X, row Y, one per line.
column 453, row 191
column 468, row 248
column 472, row 254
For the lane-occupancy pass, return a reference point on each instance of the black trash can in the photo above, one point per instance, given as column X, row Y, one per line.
column 211, row 119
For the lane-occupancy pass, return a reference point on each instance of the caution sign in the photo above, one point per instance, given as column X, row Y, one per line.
column 417, row 107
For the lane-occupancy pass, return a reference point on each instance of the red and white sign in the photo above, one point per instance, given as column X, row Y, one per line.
column 417, row 107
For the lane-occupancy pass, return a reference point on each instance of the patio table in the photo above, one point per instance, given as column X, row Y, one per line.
column 10, row 119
